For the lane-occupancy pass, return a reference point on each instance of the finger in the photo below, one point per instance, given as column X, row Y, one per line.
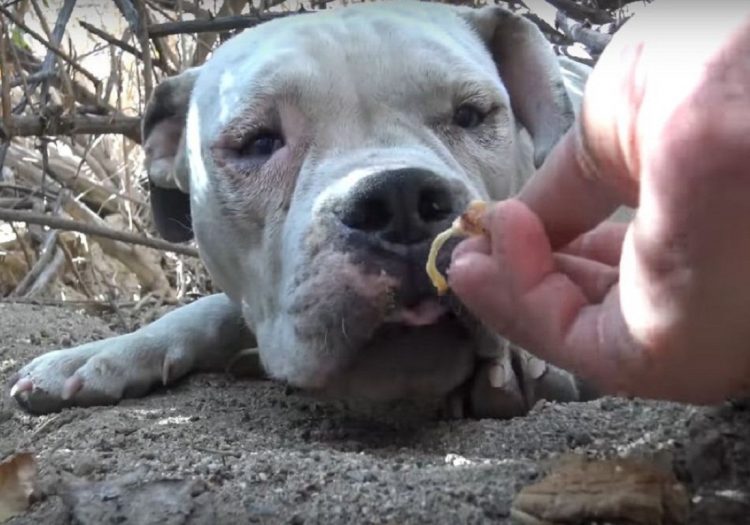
column 566, row 197
column 595, row 166
column 496, row 286
column 517, row 292
column 603, row 244
column 593, row 278
column 476, row 243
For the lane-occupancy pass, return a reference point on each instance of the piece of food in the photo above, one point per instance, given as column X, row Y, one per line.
column 17, row 479
column 468, row 223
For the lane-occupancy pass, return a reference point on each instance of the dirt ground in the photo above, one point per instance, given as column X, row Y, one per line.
column 215, row 449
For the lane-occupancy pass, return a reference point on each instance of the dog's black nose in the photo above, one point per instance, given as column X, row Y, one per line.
column 405, row 206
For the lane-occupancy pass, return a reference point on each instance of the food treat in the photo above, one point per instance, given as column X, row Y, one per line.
column 468, row 223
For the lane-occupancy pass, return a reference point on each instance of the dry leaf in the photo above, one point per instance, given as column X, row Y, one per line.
column 17, row 478
column 618, row 490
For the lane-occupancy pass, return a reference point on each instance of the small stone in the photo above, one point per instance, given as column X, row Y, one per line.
column 577, row 438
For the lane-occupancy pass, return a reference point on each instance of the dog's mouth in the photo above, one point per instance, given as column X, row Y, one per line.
column 430, row 321
column 426, row 312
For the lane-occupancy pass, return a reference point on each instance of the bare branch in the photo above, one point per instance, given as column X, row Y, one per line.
column 582, row 12
column 160, row 62
column 49, row 250
column 34, row 125
column 224, row 23
column 55, row 37
column 39, row 38
column 5, row 87
column 590, row 38
column 94, row 230
column 143, row 40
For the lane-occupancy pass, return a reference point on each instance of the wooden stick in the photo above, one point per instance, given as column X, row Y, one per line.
column 225, row 23
column 5, row 76
column 590, row 38
column 35, row 125
column 60, row 223
column 145, row 42
column 160, row 62
column 39, row 38
column 582, row 12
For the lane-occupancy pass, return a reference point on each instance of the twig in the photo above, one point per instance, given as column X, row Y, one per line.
column 5, row 87
column 582, row 12
column 160, row 62
column 34, row 125
column 225, row 23
column 60, row 223
column 206, row 41
column 143, row 40
column 39, row 38
column 17, row 65
column 82, row 93
column 49, row 250
column 24, row 247
column 616, row 4
column 130, row 13
column 74, row 268
column 590, row 38
column 55, row 38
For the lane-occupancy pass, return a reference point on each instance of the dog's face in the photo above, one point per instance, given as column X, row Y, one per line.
column 322, row 154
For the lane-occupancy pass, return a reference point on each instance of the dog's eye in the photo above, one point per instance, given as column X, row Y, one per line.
column 468, row 116
column 262, row 145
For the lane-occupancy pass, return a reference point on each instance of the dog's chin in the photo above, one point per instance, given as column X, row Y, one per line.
column 424, row 351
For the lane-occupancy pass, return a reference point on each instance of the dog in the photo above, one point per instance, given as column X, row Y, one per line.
column 314, row 158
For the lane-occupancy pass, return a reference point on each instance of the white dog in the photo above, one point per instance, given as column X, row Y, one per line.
column 314, row 158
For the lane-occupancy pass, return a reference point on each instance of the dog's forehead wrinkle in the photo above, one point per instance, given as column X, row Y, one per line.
column 340, row 54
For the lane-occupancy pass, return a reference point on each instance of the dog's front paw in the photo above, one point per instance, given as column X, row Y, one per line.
column 511, row 385
column 98, row 373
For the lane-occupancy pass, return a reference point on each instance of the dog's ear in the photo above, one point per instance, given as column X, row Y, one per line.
column 530, row 71
column 166, row 164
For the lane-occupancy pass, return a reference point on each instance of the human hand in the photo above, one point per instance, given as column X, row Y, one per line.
column 660, row 307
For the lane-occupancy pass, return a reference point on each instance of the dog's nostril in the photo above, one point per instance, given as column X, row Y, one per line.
column 434, row 205
column 374, row 214
column 367, row 215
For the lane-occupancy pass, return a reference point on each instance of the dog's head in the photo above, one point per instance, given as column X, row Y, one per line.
column 323, row 152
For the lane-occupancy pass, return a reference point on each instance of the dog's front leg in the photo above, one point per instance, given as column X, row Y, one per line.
column 203, row 335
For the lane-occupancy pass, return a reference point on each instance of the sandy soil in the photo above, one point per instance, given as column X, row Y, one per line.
column 215, row 449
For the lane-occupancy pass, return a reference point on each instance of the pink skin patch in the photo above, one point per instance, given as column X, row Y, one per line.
column 425, row 313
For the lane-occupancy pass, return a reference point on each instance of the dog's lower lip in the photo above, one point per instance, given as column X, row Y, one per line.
column 427, row 312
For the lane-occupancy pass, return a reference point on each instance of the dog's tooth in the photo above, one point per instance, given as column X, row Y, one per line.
column 71, row 387
column 22, row 385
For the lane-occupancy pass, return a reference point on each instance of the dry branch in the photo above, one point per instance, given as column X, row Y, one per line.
column 95, row 230
column 55, row 38
column 34, row 125
column 160, row 62
column 577, row 31
column 47, row 258
column 60, row 53
column 225, row 23
column 143, row 40
column 96, row 191
column 582, row 12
